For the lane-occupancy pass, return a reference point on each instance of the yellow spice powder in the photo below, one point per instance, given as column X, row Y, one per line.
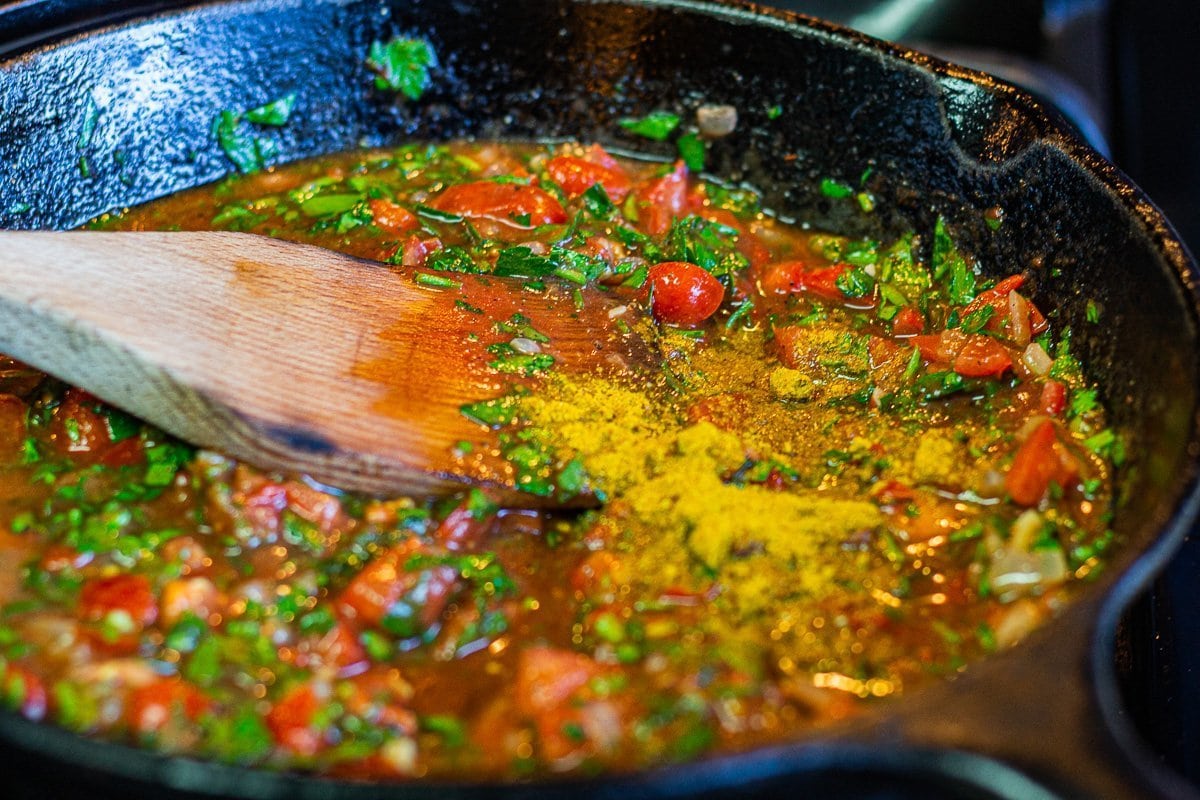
column 671, row 478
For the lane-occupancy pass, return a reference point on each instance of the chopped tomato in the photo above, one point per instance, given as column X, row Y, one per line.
column 25, row 690
column 891, row 492
column 784, row 277
column 131, row 594
column 973, row 355
column 883, row 350
column 197, row 596
column 59, row 557
column 292, row 721
column 463, row 528
column 752, row 247
column 548, row 676
column 79, row 428
column 125, row 453
column 683, row 294
column 576, row 175
column 997, row 295
column 789, row 345
column 937, row 347
column 149, row 708
column 12, row 423
column 1040, row 460
column 401, row 601
column 601, row 248
column 725, row 410
column 1054, row 397
column 416, row 250
column 340, row 647
column 511, row 204
column 320, row 508
column 393, row 218
column 787, row 277
column 600, row 575
column 551, row 689
column 679, row 596
column 381, row 697
column 662, row 200
column 981, row 356
column 264, row 505
column 187, row 552
column 907, row 322
column 1011, row 312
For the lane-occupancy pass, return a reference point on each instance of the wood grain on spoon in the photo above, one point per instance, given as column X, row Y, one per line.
column 288, row 356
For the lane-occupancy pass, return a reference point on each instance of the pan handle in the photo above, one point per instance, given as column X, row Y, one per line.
column 1050, row 709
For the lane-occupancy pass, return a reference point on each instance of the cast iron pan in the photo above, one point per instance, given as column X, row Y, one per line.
column 136, row 97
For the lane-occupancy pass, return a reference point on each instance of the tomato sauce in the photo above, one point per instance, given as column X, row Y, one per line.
column 861, row 466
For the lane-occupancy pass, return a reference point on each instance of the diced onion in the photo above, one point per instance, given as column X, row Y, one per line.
column 1019, row 619
column 526, row 346
column 1036, row 358
column 991, row 484
column 400, row 754
column 1015, row 573
column 1025, row 529
column 1018, row 314
column 716, row 121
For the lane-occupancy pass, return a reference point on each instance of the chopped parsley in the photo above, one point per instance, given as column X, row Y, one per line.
column 657, row 125
column 402, row 65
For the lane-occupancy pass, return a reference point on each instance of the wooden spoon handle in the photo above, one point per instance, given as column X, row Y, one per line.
column 285, row 355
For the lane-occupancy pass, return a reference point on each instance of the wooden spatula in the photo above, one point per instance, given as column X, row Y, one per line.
column 293, row 357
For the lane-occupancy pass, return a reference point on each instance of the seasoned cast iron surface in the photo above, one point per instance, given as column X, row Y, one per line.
column 938, row 141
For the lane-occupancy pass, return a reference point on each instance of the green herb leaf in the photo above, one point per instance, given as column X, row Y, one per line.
column 436, row 281
column 495, row 413
column 1082, row 401
column 951, row 267
column 520, row 262
column 437, row 215
column 597, row 202
column 740, row 313
column 707, row 244
column 855, row 283
column 914, row 364
column 241, row 737
column 836, row 189
column 692, row 150
column 238, row 147
column 121, row 426
column 275, row 113
column 237, row 218
column 402, row 65
column 977, row 319
column 520, row 325
column 452, row 259
column 325, row 205
column 452, row 731
column 656, row 125
column 509, row 359
column 91, row 115
column 571, row 478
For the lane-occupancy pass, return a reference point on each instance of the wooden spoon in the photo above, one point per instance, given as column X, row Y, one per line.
column 293, row 357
